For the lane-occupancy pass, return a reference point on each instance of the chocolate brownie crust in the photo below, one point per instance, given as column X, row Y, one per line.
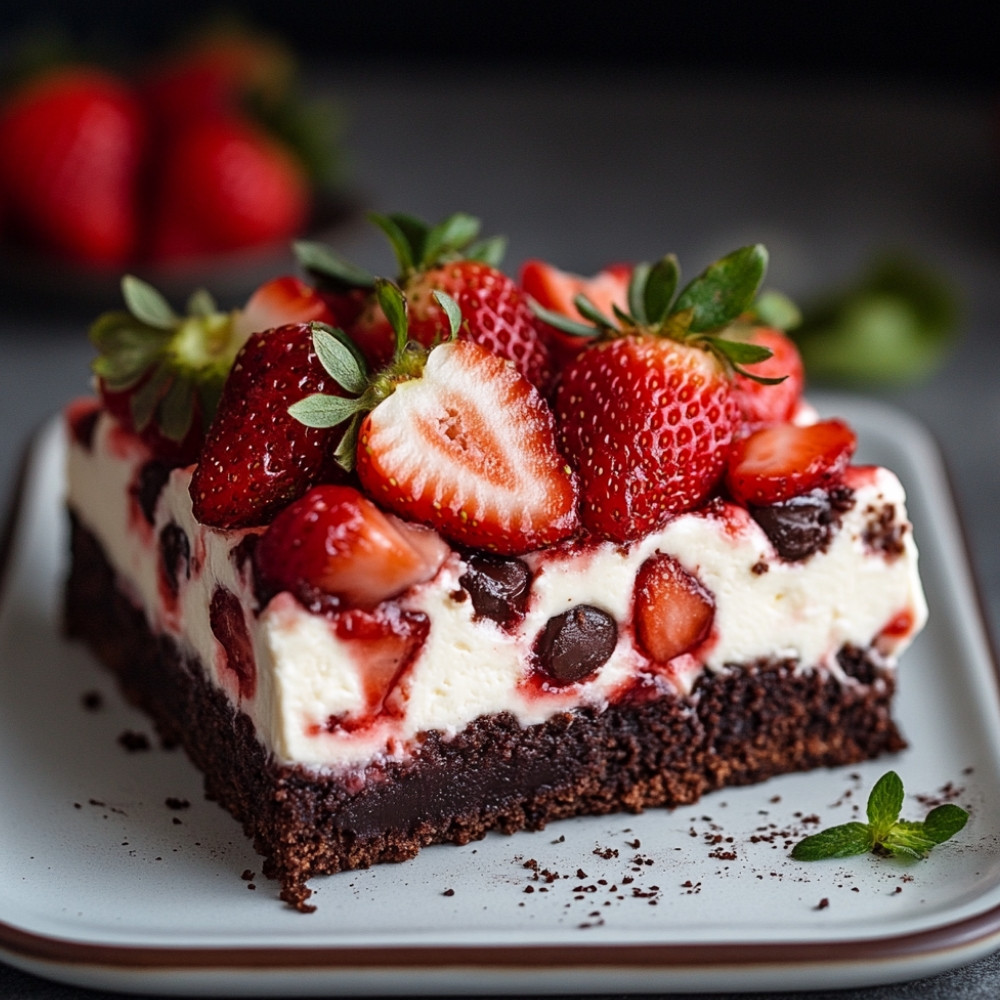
column 739, row 726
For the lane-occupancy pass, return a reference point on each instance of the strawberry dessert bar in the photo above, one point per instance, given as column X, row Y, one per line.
column 401, row 562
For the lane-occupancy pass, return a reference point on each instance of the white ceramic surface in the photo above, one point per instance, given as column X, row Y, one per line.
column 105, row 882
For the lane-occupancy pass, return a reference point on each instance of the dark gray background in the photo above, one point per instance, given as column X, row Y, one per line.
column 825, row 134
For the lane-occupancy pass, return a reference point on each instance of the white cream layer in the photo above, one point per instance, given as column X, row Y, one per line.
column 469, row 667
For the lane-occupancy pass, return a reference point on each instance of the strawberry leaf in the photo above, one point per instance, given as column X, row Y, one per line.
column 776, row 309
column 321, row 262
column 588, row 310
column 176, row 410
column 451, row 310
column 321, row 411
column 448, row 238
column 489, row 251
column 406, row 236
column 201, row 304
column 659, row 289
column 725, row 289
column 836, row 842
column 561, row 321
column 147, row 305
column 393, row 304
column 339, row 360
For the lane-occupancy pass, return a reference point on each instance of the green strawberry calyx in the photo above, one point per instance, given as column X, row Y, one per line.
column 705, row 312
column 418, row 247
column 345, row 364
column 172, row 365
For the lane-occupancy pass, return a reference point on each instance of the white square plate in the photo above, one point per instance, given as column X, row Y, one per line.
column 107, row 878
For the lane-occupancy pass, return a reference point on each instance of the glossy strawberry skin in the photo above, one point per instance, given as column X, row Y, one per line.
column 224, row 185
column 336, row 541
column 72, row 145
column 495, row 314
column 469, row 449
column 647, row 423
column 257, row 457
column 763, row 404
column 782, row 461
column 281, row 301
column 555, row 289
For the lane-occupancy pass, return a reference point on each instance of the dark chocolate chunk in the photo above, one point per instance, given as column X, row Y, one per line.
column 498, row 587
column 175, row 555
column 149, row 484
column 576, row 643
column 802, row 525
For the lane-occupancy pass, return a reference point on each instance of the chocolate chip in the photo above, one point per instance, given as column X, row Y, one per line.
column 149, row 484
column 498, row 587
column 802, row 525
column 175, row 555
column 576, row 643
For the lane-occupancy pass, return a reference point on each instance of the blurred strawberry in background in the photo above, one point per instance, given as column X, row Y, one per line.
column 207, row 150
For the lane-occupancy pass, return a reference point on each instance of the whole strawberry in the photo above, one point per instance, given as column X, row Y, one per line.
column 443, row 258
column 647, row 414
column 257, row 458
column 72, row 144
column 452, row 437
column 160, row 373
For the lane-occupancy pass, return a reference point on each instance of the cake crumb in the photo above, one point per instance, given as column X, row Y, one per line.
column 133, row 742
column 448, row 892
column 822, row 904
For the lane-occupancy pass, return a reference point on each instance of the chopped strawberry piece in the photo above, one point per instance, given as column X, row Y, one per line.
column 337, row 541
column 782, row 461
column 229, row 626
column 469, row 448
column 673, row 611
column 770, row 404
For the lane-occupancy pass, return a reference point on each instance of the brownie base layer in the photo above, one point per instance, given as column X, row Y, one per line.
column 738, row 727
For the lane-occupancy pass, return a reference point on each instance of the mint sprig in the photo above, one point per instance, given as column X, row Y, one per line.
column 884, row 833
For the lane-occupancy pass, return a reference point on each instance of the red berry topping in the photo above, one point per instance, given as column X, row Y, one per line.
column 336, row 541
column 257, row 457
column 282, row 301
column 782, row 461
column 763, row 403
column 673, row 611
column 229, row 626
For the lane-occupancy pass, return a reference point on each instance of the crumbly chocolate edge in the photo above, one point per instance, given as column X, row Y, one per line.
column 739, row 726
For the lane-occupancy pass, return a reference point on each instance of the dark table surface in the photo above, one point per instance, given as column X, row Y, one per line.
column 584, row 169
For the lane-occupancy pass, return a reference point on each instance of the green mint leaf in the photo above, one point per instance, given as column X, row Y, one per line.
column 836, row 842
column 725, row 289
column 340, row 362
column 944, row 822
column 320, row 261
column 906, row 837
column 884, row 804
column 147, row 305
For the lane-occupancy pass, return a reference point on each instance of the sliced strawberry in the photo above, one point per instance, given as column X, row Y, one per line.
column 257, row 457
column 282, row 301
column 557, row 290
column 673, row 611
column 229, row 626
column 223, row 184
column 782, row 461
column 338, row 542
column 469, row 448
column 72, row 145
column 759, row 402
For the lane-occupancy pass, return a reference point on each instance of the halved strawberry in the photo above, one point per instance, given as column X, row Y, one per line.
column 673, row 611
column 557, row 291
column 443, row 258
column 770, row 402
column 782, row 461
column 454, row 437
column 257, row 457
column 336, row 541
